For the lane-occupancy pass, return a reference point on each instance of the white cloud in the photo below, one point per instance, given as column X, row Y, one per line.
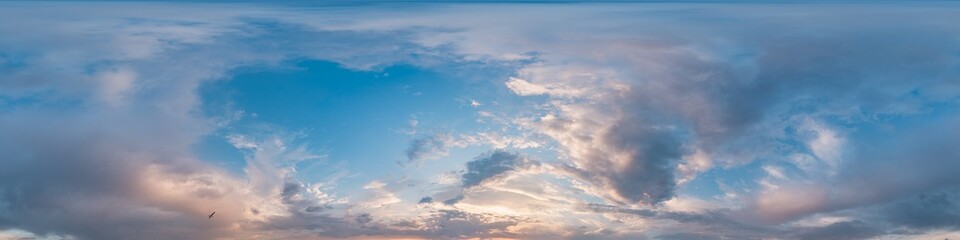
column 524, row 88
column 115, row 85
column 826, row 144
column 693, row 164
column 774, row 171
column 632, row 113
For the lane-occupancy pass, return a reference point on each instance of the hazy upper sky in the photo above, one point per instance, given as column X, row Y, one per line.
column 453, row 120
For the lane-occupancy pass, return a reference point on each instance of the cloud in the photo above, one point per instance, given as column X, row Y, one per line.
column 654, row 101
column 364, row 218
column 524, row 88
column 429, row 147
column 457, row 224
column 609, row 208
column 937, row 210
column 492, row 165
column 841, row 230
column 438, row 145
column 115, row 85
column 723, row 224
column 876, row 171
column 116, row 118
column 731, row 100
column 853, row 105
column 633, row 161
column 499, row 140
column 454, row 200
column 107, row 171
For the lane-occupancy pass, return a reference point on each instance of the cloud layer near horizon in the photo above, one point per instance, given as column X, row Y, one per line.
column 619, row 121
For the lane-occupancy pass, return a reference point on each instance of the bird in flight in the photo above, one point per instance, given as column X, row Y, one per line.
column 211, row 215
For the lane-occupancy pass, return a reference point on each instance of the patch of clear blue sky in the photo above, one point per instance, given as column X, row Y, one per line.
column 358, row 119
column 707, row 185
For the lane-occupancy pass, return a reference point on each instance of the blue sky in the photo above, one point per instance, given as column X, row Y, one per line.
column 493, row 120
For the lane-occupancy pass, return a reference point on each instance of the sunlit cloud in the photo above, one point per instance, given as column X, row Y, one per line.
column 447, row 120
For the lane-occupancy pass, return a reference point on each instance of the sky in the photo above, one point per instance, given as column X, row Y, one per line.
column 479, row 120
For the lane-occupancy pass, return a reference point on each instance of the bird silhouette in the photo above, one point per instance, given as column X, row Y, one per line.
column 211, row 215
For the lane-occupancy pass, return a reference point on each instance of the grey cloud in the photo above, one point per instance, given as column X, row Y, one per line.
column 364, row 218
column 937, row 210
column 492, row 165
column 841, row 230
column 314, row 209
column 878, row 170
column 70, row 158
column 454, row 200
column 728, row 111
column 451, row 224
column 425, row 200
column 719, row 222
column 303, row 218
column 736, row 102
column 739, row 100
column 290, row 191
column 441, row 224
column 308, row 225
column 428, row 147
column 57, row 176
column 726, row 224
column 653, row 152
column 682, row 236
column 295, row 201
column 596, row 207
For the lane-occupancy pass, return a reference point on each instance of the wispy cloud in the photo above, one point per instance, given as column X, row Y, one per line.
column 611, row 121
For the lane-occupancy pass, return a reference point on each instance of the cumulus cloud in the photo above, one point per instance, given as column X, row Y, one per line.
column 631, row 158
column 646, row 108
column 654, row 102
column 847, row 113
